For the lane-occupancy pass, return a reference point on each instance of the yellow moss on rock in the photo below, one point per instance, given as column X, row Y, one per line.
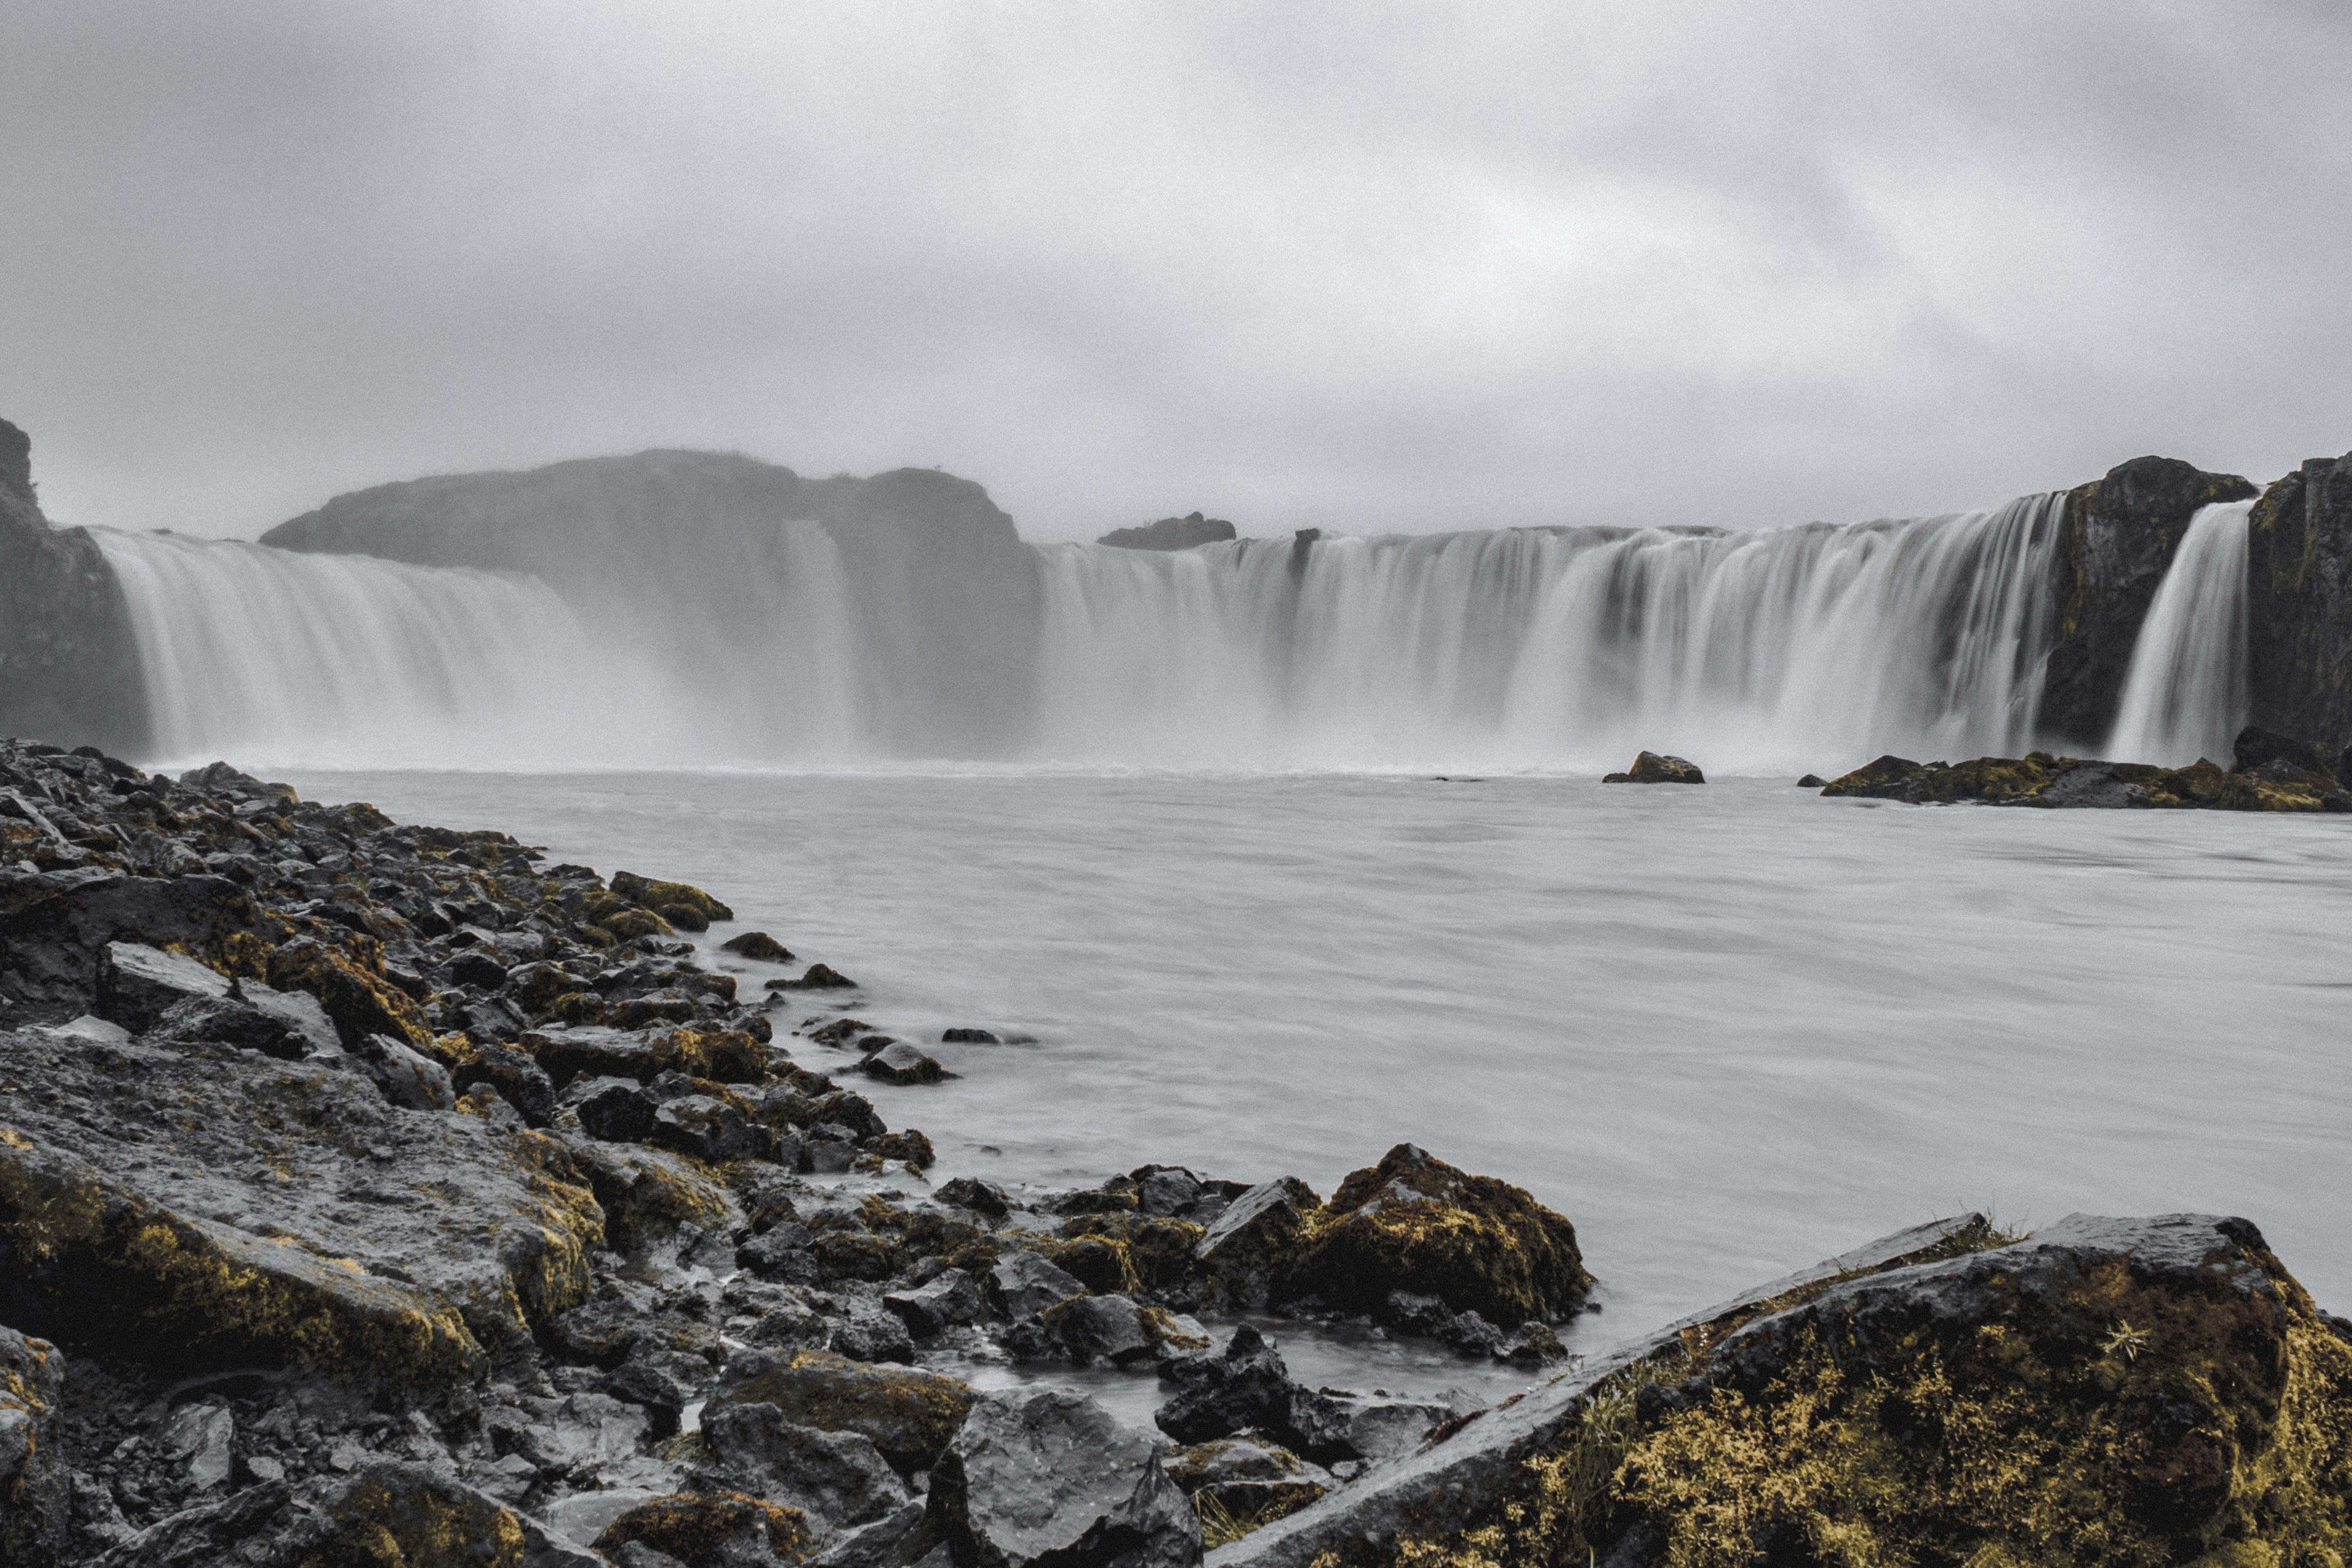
column 1415, row 1224
column 910, row 1414
column 350, row 984
column 697, row 1528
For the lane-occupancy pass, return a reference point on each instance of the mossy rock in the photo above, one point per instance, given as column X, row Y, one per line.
column 668, row 896
column 908, row 1414
column 698, row 1528
column 646, row 1193
column 2109, row 1393
column 1415, row 1224
column 626, row 924
column 1656, row 767
column 1158, row 1251
column 352, row 989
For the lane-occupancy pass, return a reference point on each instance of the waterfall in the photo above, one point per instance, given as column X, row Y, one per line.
column 1815, row 646
column 1520, row 648
column 2185, row 697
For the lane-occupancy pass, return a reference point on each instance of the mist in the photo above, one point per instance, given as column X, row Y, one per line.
column 1361, row 267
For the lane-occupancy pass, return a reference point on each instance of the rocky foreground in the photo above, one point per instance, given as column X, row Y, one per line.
column 373, row 1194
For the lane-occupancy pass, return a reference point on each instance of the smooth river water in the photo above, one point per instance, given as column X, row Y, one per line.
column 1727, row 1030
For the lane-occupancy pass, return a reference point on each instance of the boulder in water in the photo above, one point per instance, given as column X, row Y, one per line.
column 1414, row 1223
column 1812, row 780
column 1171, row 533
column 758, row 946
column 1652, row 767
column 899, row 1063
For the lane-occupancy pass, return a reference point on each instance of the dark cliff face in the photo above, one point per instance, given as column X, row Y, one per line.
column 2117, row 539
column 2299, row 604
column 68, row 666
column 944, row 593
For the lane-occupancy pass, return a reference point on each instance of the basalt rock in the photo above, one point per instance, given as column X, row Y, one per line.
column 1171, row 533
column 68, row 662
column 2108, row 1391
column 2039, row 779
column 204, row 1207
column 758, row 945
column 2299, row 604
column 35, row 1487
column 840, row 1477
column 711, row 1530
column 1415, row 1224
column 1005, row 1494
column 1651, row 767
column 908, row 1414
column 2117, row 537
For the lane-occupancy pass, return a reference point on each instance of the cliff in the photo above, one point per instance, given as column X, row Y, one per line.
column 688, row 543
column 68, row 666
column 2117, row 537
column 2299, row 604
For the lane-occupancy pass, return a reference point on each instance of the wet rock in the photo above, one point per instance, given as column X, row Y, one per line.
column 671, row 899
column 383, row 1512
column 982, row 1197
column 780, row 1254
column 1813, row 780
column 2041, row 780
column 2116, row 536
column 820, row 977
column 475, row 967
column 2298, row 608
column 404, row 1078
column 614, row 1109
column 900, row 1063
column 1250, row 1246
column 1165, row 1190
column 1651, row 767
column 968, row 1036
column 952, row 1298
column 758, row 946
column 650, row 1197
column 837, row 1476
column 197, row 1434
column 895, row 1540
column 706, row 1128
column 908, row 1414
column 137, row 985
column 907, row 1144
column 1414, row 1223
column 1021, row 1285
column 712, row 1529
column 1251, row 1481
column 35, row 1487
column 519, row 1081
column 2101, row 1361
column 1247, row 1386
column 68, row 661
column 1171, row 533
column 869, row 1333
column 54, row 926
column 1110, row 1329
column 357, row 997
column 204, row 1206
column 1006, row 1491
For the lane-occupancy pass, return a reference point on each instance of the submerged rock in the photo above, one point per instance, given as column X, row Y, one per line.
column 1650, row 767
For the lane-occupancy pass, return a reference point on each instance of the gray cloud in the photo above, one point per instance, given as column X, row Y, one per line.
column 1348, row 265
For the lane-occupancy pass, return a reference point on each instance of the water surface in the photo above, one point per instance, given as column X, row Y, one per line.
column 1727, row 1030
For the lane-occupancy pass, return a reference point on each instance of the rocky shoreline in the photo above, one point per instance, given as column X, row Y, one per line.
column 380, row 1194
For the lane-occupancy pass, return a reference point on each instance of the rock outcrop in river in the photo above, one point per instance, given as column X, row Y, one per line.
column 680, row 545
column 2117, row 535
column 69, row 667
column 2299, row 604
column 2271, row 773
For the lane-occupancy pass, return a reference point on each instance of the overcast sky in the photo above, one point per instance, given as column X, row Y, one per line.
column 1356, row 266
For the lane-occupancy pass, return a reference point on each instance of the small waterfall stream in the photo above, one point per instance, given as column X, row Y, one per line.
column 2185, row 695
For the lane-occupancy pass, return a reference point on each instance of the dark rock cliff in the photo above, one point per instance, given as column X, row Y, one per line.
column 943, row 589
column 68, row 666
column 2117, row 535
column 2299, row 604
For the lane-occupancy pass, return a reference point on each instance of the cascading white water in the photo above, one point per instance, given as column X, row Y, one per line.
column 1809, row 647
column 2185, row 695
column 270, row 655
column 1815, row 646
